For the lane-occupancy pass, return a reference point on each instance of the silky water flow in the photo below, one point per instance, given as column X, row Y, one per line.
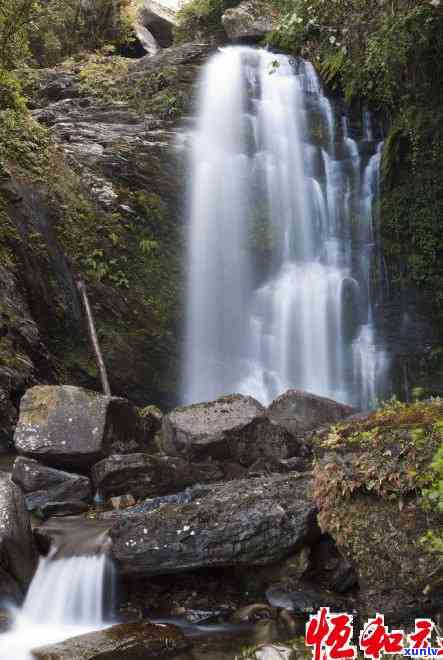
column 282, row 238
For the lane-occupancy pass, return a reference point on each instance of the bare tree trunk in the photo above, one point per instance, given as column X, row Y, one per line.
column 93, row 337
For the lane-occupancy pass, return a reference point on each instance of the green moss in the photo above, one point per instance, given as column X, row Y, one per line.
column 412, row 205
column 11, row 93
column 147, row 411
column 163, row 93
column 129, row 259
column 378, row 484
column 433, row 496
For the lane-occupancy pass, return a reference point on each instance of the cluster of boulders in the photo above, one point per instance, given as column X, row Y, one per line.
column 231, row 473
column 112, row 449
column 274, row 493
column 69, row 428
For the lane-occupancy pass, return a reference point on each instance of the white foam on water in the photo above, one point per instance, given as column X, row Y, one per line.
column 65, row 599
column 267, row 167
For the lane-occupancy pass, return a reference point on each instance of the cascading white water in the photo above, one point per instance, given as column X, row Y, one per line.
column 281, row 237
column 65, row 599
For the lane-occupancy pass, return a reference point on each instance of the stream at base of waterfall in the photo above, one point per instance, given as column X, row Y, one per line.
column 283, row 260
column 65, row 599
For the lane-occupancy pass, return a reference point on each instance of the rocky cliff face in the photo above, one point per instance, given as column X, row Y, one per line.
column 94, row 189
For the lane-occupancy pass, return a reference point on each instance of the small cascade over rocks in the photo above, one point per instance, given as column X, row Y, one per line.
column 282, row 238
column 67, row 597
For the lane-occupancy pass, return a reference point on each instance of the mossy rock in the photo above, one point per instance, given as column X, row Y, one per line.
column 372, row 479
column 128, row 641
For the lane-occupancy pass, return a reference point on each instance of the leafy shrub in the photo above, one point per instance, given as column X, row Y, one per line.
column 16, row 19
column 10, row 92
column 373, row 51
column 66, row 27
column 201, row 19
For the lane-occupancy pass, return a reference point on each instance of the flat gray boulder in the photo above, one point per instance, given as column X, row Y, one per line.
column 145, row 475
column 18, row 554
column 249, row 20
column 127, row 641
column 231, row 428
column 245, row 522
column 300, row 412
column 70, row 427
column 43, row 485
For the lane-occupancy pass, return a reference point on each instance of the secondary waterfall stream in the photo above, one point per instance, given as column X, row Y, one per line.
column 282, row 237
column 65, row 599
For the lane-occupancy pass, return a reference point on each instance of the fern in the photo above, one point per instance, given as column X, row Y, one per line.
column 331, row 67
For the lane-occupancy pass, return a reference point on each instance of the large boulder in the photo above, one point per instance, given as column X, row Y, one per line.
column 71, row 427
column 246, row 522
column 146, row 38
column 18, row 554
column 377, row 484
column 233, row 427
column 145, row 475
column 154, row 22
column 300, row 412
column 128, row 641
column 43, row 485
column 249, row 20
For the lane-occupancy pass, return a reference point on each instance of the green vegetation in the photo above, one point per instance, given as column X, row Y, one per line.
column 16, row 20
column 129, row 254
column 433, row 496
column 65, row 27
column 374, row 51
column 47, row 31
column 378, row 485
column 163, row 92
column 201, row 19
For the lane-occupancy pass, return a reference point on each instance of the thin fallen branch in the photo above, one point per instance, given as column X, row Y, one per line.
column 93, row 337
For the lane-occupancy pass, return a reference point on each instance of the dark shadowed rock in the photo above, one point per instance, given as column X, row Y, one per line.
column 63, row 86
column 330, row 568
column 10, row 592
column 71, row 427
column 145, row 476
column 178, row 55
column 249, row 20
column 151, row 417
column 233, row 427
column 127, row 641
column 20, row 346
column 300, row 412
column 43, row 485
column 303, row 601
column 253, row 521
column 18, row 554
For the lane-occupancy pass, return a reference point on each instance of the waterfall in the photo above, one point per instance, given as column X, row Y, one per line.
column 281, row 237
column 66, row 598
